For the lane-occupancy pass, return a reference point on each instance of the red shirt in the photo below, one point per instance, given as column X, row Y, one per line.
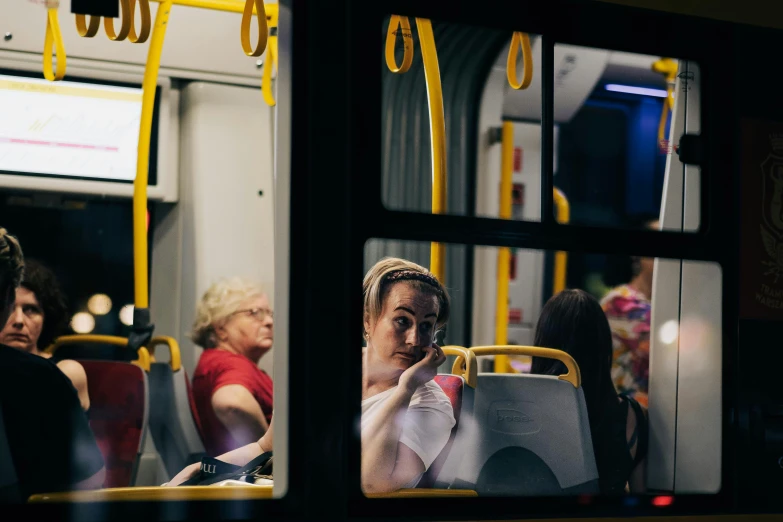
column 217, row 368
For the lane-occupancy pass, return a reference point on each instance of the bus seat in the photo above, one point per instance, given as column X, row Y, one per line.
column 118, row 416
column 461, row 397
column 9, row 484
column 530, row 437
column 172, row 425
column 193, row 409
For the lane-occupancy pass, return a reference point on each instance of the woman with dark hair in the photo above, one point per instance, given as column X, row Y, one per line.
column 574, row 322
column 38, row 316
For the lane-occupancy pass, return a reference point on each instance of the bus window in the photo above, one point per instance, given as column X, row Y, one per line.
column 635, row 341
column 619, row 117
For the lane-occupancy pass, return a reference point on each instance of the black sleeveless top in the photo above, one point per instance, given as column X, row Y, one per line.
column 613, row 449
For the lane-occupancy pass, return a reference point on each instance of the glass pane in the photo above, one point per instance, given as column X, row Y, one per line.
column 616, row 162
column 478, row 99
column 521, row 430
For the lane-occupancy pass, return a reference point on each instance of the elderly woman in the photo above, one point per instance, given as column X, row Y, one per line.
column 232, row 395
column 406, row 417
column 38, row 316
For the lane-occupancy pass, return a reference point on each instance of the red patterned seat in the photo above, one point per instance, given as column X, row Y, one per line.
column 454, row 387
column 118, row 416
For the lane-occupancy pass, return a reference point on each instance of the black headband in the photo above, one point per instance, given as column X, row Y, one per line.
column 411, row 275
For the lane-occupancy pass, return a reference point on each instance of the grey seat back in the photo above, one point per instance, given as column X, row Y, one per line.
column 529, row 435
column 171, row 422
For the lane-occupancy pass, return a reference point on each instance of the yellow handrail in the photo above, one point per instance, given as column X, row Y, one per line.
column 561, row 258
column 173, row 346
column 573, row 376
column 502, row 362
column 144, row 355
column 54, row 38
column 519, row 41
column 429, row 55
column 157, row 494
column 271, row 57
column 668, row 68
column 465, row 365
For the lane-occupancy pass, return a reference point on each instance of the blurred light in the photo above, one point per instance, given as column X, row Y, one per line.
column 99, row 304
column 631, row 501
column 662, row 501
column 126, row 315
column 668, row 332
column 629, row 89
column 83, row 323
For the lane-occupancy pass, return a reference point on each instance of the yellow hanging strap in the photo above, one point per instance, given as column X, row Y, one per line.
column 53, row 38
column 519, row 41
column 126, row 18
column 128, row 23
column 87, row 30
column 502, row 361
column 404, row 32
column 668, row 68
column 271, row 56
column 263, row 31
column 146, row 21
column 149, row 87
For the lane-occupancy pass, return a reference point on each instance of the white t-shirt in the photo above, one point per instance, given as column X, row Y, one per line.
column 427, row 423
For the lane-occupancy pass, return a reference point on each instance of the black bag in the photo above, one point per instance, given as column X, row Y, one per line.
column 213, row 471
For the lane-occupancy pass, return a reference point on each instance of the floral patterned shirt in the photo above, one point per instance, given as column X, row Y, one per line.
column 628, row 312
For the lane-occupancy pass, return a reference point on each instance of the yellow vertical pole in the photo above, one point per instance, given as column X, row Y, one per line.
column 502, row 363
column 429, row 56
column 561, row 258
column 149, row 87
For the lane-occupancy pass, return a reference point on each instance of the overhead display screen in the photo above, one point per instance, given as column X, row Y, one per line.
column 68, row 129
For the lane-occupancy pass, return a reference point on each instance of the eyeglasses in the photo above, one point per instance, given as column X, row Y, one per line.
column 257, row 313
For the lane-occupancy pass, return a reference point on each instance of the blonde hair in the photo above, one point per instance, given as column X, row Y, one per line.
column 11, row 261
column 383, row 275
column 218, row 303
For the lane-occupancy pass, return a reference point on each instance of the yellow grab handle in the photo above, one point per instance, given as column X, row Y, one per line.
column 126, row 18
column 54, row 38
column 173, row 345
column 391, row 44
column 149, row 86
column 146, row 21
column 519, row 41
column 573, row 376
column 429, row 55
column 263, row 31
column 87, row 31
column 465, row 365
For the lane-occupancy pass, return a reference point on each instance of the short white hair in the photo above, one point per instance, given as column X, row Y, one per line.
column 218, row 303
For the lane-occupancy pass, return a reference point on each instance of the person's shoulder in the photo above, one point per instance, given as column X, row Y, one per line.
column 26, row 362
column 25, row 370
column 430, row 394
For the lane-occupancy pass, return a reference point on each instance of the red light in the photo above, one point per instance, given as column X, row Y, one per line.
column 662, row 501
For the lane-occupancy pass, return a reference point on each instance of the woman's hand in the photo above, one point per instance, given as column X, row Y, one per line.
column 184, row 475
column 424, row 370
